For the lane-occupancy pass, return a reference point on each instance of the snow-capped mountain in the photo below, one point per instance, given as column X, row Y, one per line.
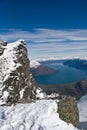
column 17, row 87
column 37, row 68
column 34, row 64
column 62, row 58
column 16, row 82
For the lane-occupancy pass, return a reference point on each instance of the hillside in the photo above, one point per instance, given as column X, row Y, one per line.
column 38, row 69
column 77, row 63
column 76, row 89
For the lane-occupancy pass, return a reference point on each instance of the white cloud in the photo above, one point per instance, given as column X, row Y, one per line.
column 49, row 42
column 57, row 50
column 45, row 35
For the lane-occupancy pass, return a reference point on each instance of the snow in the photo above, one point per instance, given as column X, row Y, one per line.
column 8, row 64
column 4, row 97
column 9, row 56
column 34, row 64
column 40, row 94
column 82, row 106
column 21, row 93
column 61, row 58
column 53, row 95
column 41, row 115
column 5, row 94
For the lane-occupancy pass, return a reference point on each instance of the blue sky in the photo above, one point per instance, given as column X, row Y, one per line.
column 52, row 28
column 31, row 14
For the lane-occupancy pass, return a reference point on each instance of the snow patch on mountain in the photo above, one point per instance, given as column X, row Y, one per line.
column 82, row 106
column 62, row 58
column 41, row 115
column 7, row 65
column 34, row 64
column 40, row 94
column 16, row 84
column 9, row 56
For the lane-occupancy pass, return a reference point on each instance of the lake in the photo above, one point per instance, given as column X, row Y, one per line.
column 64, row 75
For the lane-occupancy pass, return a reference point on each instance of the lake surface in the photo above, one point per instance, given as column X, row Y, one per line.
column 64, row 75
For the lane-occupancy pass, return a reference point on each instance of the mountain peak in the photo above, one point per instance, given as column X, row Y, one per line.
column 15, row 77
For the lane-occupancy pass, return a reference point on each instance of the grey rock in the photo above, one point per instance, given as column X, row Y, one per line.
column 68, row 111
column 2, row 47
column 17, row 84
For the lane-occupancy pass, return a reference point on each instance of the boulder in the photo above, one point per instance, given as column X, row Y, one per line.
column 68, row 111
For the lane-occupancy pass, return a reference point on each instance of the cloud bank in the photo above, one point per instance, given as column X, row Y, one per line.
column 44, row 43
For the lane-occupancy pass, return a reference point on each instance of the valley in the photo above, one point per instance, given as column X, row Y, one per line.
column 67, row 80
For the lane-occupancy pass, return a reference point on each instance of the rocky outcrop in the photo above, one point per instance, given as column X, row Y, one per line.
column 68, row 111
column 16, row 82
column 2, row 46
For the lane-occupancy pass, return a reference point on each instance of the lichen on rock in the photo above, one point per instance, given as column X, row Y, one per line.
column 68, row 111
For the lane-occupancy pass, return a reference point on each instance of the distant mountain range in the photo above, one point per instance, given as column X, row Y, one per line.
column 77, row 63
column 61, row 58
column 38, row 69
column 76, row 89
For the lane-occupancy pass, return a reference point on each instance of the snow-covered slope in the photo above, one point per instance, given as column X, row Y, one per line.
column 41, row 115
column 82, row 105
column 7, row 64
column 17, row 86
column 34, row 64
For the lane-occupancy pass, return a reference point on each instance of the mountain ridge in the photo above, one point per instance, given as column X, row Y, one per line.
column 18, row 90
column 16, row 80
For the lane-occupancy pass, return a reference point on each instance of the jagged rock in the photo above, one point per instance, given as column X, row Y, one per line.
column 1, row 51
column 68, row 111
column 2, row 47
column 16, row 82
column 3, row 43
